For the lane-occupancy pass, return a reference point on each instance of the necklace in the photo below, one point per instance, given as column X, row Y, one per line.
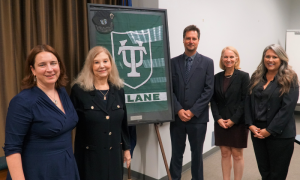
column 104, row 94
column 53, row 99
column 228, row 76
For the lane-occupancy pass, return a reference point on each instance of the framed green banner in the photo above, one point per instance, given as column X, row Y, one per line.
column 139, row 44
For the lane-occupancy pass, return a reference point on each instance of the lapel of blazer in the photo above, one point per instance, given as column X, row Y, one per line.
column 252, row 103
column 96, row 100
column 273, row 85
column 111, row 97
column 234, row 75
column 220, row 82
column 196, row 61
column 219, row 85
column 181, row 62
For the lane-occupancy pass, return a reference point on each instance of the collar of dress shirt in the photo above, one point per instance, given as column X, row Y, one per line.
column 193, row 56
column 265, row 78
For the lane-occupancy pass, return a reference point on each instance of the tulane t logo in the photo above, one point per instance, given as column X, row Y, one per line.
column 133, row 65
column 132, row 53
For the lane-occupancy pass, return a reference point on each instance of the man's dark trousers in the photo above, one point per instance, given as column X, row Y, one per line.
column 196, row 135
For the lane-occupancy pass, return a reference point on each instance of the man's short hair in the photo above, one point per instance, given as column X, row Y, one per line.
column 191, row 28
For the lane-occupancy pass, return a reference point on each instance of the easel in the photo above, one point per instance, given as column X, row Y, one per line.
column 162, row 153
column 162, row 150
column 129, row 172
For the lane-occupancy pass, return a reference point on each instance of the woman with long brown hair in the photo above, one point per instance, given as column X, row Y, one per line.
column 38, row 141
column 269, row 112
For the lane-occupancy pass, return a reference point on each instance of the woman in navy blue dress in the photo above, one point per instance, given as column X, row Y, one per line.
column 38, row 143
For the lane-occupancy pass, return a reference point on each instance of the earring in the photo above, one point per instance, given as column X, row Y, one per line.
column 34, row 78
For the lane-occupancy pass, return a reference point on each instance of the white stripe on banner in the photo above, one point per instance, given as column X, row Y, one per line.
column 159, row 62
column 155, row 35
column 145, row 97
column 158, row 80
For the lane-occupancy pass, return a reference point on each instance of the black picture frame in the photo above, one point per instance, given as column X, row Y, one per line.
column 102, row 23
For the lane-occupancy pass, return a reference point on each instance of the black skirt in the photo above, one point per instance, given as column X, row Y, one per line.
column 236, row 136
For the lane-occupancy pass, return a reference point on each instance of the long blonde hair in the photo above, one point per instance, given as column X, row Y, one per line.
column 285, row 76
column 85, row 78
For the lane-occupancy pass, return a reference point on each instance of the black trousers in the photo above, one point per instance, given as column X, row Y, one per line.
column 196, row 135
column 273, row 155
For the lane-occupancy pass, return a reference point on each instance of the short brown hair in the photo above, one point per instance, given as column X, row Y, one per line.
column 237, row 63
column 28, row 81
column 191, row 28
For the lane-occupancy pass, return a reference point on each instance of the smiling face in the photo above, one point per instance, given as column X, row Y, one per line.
column 46, row 69
column 271, row 61
column 191, row 41
column 229, row 59
column 101, row 66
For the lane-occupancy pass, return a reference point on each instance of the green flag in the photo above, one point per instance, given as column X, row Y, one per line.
column 136, row 43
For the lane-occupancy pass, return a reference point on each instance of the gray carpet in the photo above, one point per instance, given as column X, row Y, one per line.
column 213, row 170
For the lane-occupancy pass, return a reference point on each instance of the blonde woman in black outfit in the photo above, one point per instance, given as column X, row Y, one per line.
column 227, row 107
column 102, row 138
column 269, row 112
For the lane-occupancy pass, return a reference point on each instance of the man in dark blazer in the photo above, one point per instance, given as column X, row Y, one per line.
column 193, row 81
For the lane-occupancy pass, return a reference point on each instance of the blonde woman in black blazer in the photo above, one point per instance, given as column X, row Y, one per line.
column 269, row 112
column 101, row 132
column 227, row 107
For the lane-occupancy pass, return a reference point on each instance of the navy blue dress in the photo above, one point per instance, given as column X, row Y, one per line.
column 38, row 130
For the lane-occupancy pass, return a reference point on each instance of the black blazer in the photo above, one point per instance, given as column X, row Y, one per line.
column 231, row 104
column 280, row 112
column 101, row 133
column 196, row 93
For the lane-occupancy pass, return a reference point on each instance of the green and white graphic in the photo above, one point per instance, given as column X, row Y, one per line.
column 134, row 79
column 137, row 46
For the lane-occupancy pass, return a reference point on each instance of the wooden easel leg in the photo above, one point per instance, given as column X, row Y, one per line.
column 162, row 151
column 129, row 172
